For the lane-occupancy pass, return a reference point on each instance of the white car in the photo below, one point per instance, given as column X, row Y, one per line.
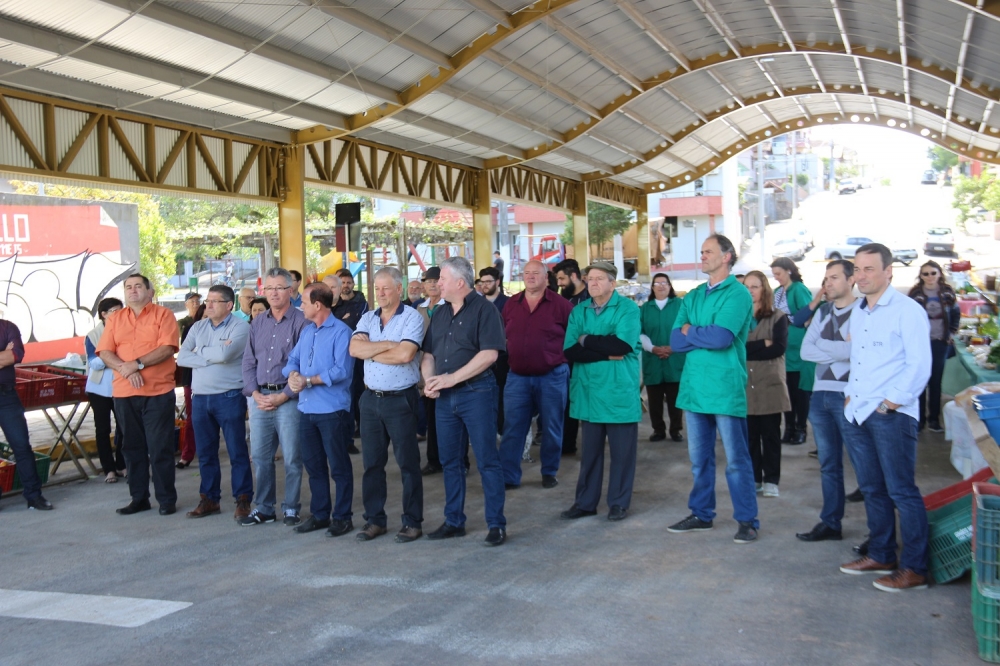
column 792, row 248
column 849, row 247
column 939, row 239
column 847, row 186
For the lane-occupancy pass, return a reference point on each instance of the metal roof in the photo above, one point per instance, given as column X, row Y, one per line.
column 639, row 91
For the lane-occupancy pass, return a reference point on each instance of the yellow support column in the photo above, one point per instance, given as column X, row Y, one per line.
column 642, row 240
column 292, row 213
column 581, row 228
column 482, row 224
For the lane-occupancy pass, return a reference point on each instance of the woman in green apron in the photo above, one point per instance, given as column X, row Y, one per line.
column 789, row 297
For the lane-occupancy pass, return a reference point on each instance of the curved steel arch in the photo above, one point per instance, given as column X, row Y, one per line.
column 802, row 122
column 761, row 100
column 706, row 65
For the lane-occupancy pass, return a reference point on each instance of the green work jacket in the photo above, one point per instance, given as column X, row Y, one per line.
column 656, row 325
column 606, row 391
column 798, row 296
column 714, row 380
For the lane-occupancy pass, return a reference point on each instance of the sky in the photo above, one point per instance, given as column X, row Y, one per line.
column 893, row 153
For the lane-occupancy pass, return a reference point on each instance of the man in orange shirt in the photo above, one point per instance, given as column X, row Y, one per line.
column 139, row 343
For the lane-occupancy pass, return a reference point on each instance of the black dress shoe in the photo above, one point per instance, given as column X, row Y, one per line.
column 798, row 438
column 569, row 452
column 856, row 496
column 822, row 532
column 657, row 437
column 787, row 437
column 575, row 512
column 340, row 527
column 40, row 504
column 353, row 450
column 617, row 513
column 511, row 486
column 676, row 437
column 862, row 548
column 134, row 507
column 496, row 537
column 549, row 481
column 311, row 524
column 430, row 468
column 446, row 531
column 168, row 509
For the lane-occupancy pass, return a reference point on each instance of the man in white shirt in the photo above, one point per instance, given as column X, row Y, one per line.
column 890, row 366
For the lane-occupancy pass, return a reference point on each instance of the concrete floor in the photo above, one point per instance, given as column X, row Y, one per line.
column 586, row 591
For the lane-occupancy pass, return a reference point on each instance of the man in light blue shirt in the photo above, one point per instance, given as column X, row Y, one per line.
column 213, row 349
column 890, row 365
column 319, row 370
column 388, row 340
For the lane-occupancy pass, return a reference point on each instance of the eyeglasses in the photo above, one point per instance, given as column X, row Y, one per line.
column 490, row 281
column 930, row 274
column 661, row 284
column 214, row 302
column 266, row 289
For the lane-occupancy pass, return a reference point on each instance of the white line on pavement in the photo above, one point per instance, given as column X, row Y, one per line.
column 89, row 608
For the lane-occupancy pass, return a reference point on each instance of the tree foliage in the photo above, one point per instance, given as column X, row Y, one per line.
column 971, row 194
column 802, row 179
column 941, row 159
column 156, row 257
column 604, row 222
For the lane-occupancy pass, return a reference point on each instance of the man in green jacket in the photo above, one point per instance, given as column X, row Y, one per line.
column 712, row 328
column 602, row 340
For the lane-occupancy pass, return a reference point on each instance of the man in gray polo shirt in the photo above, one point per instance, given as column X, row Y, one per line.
column 213, row 349
column 388, row 340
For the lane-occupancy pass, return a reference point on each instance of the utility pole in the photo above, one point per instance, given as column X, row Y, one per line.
column 761, row 218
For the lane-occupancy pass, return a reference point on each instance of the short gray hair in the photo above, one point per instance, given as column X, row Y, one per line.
column 335, row 278
column 462, row 269
column 282, row 273
column 392, row 272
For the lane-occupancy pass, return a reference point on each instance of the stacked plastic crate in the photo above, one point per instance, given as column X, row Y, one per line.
column 986, row 569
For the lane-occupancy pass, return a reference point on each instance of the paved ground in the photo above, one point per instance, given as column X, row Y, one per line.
column 587, row 591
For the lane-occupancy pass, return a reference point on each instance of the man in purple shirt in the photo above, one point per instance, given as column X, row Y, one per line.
column 274, row 416
column 12, row 422
column 535, row 323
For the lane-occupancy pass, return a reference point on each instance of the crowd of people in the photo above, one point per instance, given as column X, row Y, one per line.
column 456, row 362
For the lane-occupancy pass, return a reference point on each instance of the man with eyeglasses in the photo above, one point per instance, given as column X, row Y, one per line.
column 491, row 280
column 319, row 370
column 274, row 417
column 213, row 349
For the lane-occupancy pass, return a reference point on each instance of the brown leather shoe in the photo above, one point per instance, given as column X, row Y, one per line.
column 904, row 579
column 867, row 565
column 408, row 534
column 370, row 531
column 206, row 507
column 242, row 508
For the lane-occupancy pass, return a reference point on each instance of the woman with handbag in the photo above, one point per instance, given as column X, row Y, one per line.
column 767, row 391
column 99, row 379
column 938, row 298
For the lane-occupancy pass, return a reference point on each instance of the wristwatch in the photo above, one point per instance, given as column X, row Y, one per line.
column 140, row 364
column 884, row 408
column 309, row 382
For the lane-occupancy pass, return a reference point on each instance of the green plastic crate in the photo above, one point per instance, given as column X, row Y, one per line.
column 950, row 539
column 986, row 623
column 42, row 462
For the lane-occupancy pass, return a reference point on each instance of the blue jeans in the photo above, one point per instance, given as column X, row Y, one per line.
column 210, row 413
column 884, row 453
column 739, row 468
column 325, row 439
column 267, row 430
column 471, row 408
column 15, row 431
column 826, row 413
column 523, row 395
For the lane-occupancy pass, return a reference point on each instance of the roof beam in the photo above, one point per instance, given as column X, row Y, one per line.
column 585, row 159
column 492, row 10
column 536, row 80
column 986, row 119
column 767, row 75
column 653, row 33
column 987, row 8
column 581, row 42
column 767, row 116
column 153, row 70
column 704, row 144
column 507, row 114
column 841, row 26
column 903, row 59
column 643, row 120
column 449, row 130
column 864, row 83
column 735, row 128
column 188, row 23
column 960, row 66
column 781, row 24
column 729, row 91
column 715, row 18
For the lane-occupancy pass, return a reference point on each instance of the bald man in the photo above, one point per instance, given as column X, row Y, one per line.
column 246, row 296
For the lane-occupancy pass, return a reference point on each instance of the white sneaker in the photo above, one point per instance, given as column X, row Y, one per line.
column 760, row 488
column 771, row 490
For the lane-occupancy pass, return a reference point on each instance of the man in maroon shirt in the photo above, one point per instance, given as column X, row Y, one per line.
column 535, row 322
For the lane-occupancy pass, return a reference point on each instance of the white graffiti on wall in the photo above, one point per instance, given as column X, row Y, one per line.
column 53, row 298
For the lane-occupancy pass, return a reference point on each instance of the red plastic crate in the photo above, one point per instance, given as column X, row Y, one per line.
column 7, row 478
column 940, row 498
column 22, row 386
column 76, row 384
column 43, row 388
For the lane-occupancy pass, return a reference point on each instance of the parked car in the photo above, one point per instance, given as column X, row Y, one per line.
column 792, row 248
column 847, row 249
column 805, row 237
column 939, row 239
column 929, row 177
column 847, row 186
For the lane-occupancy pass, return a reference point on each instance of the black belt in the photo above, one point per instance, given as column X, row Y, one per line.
column 386, row 394
column 272, row 387
column 482, row 375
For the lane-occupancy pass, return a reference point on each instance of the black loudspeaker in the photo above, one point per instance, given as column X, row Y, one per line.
column 348, row 234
